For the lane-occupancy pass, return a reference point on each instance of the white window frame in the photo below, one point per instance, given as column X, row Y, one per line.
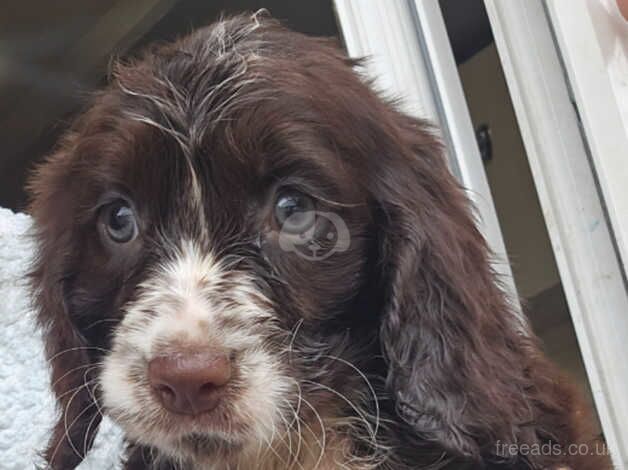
column 411, row 57
column 588, row 67
column 590, row 269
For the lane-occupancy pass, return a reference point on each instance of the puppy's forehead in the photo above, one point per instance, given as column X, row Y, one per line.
column 201, row 131
column 253, row 145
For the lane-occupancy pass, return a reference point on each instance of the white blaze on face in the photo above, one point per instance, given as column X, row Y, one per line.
column 191, row 301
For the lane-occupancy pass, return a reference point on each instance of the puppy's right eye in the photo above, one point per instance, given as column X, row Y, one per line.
column 118, row 222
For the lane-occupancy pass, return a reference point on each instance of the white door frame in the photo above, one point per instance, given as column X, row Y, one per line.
column 411, row 57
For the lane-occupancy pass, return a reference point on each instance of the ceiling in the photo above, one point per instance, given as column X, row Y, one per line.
column 467, row 26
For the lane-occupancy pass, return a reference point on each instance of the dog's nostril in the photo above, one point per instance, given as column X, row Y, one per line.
column 190, row 383
column 208, row 388
column 165, row 391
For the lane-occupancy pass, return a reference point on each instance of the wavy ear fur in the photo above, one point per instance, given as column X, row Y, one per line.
column 463, row 372
column 70, row 358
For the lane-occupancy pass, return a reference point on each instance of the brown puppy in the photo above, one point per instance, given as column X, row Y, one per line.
column 250, row 260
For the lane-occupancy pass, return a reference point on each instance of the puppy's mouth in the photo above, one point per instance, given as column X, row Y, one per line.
column 210, row 444
column 196, row 403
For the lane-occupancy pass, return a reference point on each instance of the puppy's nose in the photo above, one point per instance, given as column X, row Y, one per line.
column 190, row 383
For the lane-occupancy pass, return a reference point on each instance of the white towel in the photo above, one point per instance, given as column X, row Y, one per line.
column 27, row 409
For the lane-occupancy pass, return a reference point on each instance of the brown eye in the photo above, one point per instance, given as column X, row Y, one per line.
column 118, row 221
column 295, row 212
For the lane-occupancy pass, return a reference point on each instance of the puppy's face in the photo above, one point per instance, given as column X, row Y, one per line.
column 217, row 245
column 199, row 259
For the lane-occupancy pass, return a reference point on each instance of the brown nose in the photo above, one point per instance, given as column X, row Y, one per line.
column 190, row 383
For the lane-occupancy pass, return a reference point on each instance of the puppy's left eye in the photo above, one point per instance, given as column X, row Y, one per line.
column 295, row 212
column 118, row 222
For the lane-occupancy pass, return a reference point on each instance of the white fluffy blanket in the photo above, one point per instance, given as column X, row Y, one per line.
column 27, row 409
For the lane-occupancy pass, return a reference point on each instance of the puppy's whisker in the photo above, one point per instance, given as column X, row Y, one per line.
column 86, row 438
column 101, row 321
column 74, row 389
column 287, row 434
column 296, row 419
column 89, row 367
column 293, row 336
column 67, row 428
column 270, row 447
column 78, row 348
column 355, row 408
column 323, row 441
column 300, row 420
column 92, row 390
column 340, row 204
column 368, row 384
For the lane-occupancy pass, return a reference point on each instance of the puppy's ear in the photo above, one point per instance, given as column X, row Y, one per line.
column 70, row 357
column 452, row 344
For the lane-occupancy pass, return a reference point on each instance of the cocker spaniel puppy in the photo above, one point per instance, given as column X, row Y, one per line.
column 249, row 260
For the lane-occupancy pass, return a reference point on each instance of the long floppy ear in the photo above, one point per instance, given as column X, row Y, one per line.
column 68, row 353
column 454, row 350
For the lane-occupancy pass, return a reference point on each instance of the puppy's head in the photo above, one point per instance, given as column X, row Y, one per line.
column 238, row 239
